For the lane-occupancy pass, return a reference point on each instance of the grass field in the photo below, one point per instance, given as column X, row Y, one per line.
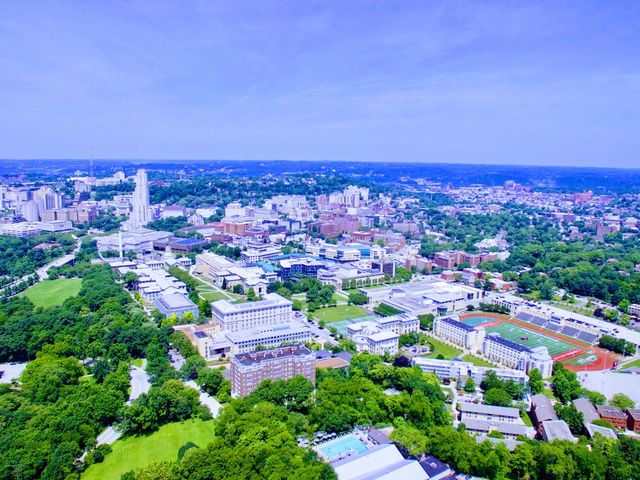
column 516, row 333
column 48, row 293
column 440, row 348
column 211, row 296
column 478, row 362
column 163, row 445
column 341, row 312
column 635, row 363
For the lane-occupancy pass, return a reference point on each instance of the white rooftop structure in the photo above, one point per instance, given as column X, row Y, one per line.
column 380, row 462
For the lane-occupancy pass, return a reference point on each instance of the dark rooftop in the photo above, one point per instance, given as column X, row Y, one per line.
column 432, row 466
column 458, row 324
column 251, row 358
column 508, row 343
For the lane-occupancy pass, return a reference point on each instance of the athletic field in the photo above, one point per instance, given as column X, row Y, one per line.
column 521, row 335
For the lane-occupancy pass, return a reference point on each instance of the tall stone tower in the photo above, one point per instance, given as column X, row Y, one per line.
column 140, row 214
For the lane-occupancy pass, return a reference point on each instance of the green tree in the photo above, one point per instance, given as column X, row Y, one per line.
column 573, row 417
column 536, row 383
column 426, row 321
column 470, row 385
column 498, row 397
column 210, row 380
column 622, row 401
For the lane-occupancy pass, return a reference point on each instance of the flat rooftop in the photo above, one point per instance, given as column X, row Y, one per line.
column 253, row 358
column 175, row 300
column 269, row 300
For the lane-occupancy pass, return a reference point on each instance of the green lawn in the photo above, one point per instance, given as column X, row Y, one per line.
column 163, row 445
column 137, row 362
column 48, row 293
column 440, row 348
column 478, row 362
column 525, row 418
column 211, row 296
column 635, row 363
column 341, row 312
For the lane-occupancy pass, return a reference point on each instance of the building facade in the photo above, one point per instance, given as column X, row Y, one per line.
column 458, row 333
column 234, row 317
column 248, row 370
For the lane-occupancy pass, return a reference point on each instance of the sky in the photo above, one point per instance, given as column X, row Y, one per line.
column 546, row 83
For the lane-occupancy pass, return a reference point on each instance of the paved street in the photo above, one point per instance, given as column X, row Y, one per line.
column 11, row 371
column 205, row 399
column 139, row 383
column 109, row 436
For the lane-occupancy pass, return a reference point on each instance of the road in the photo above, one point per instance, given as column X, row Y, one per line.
column 42, row 271
column 11, row 371
column 139, row 382
column 205, row 399
column 108, row 437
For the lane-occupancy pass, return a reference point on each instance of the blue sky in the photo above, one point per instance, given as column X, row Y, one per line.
column 473, row 82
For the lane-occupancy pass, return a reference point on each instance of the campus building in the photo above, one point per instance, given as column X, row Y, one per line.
column 140, row 213
column 612, row 414
column 292, row 267
column 234, row 317
column 381, row 335
column 509, row 431
column 248, row 370
column 458, row 333
column 176, row 304
column 458, row 369
column 488, row 413
column 505, row 352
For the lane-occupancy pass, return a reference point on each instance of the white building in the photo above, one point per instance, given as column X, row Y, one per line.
column 22, row 229
column 458, row 369
column 489, row 413
column 233, row 317
column 381, row 335
column 437, row 297
column 137, row 241
column 369, row 336
column 458, row 333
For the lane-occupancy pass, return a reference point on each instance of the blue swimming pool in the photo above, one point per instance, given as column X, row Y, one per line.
column 342, row 445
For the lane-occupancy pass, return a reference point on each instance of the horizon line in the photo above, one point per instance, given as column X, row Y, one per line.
column 169, row 160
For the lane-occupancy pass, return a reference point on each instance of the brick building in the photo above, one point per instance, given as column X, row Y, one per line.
column 248, row 370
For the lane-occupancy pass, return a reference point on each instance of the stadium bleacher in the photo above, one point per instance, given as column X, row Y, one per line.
column 540, row 322
column 554, row 327
column 525, row 317
column 553, row 324
column 570, row 332
column 590, row 338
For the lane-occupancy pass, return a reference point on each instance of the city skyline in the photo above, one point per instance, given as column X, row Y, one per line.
column 534, row 84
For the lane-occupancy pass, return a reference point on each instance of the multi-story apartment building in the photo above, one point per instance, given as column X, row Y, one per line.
column 505, row 352
column 514, row 355
column 268, row 336
column 458, row 333
column 248, row 370
column 233, row 317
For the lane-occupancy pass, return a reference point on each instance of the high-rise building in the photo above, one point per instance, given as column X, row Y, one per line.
column 248, row 370
column 140, row 212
